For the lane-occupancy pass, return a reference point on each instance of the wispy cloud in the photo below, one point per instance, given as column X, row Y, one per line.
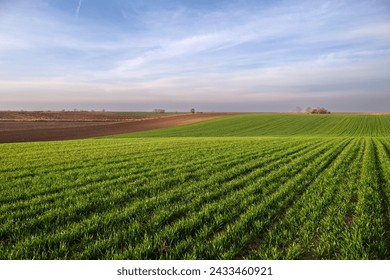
column 280, row 35
column 187, row 46
column 78, row 8
column 372, row 31
column 291, row 51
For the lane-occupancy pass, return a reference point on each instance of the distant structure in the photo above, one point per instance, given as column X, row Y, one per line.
column 159, row 110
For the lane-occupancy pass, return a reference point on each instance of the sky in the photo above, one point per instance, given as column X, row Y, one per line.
column 236, row 55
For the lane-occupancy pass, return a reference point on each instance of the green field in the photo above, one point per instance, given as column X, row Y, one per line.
column 281, row 125
column 266, row 186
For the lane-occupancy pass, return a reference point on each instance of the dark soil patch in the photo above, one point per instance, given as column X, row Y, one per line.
column 66, row 126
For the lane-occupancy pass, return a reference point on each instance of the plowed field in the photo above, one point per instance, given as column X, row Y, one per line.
column 46, row 126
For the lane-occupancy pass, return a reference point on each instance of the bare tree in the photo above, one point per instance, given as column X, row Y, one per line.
column 319, row 110
column 192, row 110
column 297, row 109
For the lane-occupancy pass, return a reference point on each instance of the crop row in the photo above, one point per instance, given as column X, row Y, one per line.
column 285, row 125
column 196, row 198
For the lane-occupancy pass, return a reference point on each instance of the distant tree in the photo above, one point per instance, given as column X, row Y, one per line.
column 192, row 110
column 159, row 110
column 297, row 109
column 319, row 110
column 322, row 110
column 103, row 110
column 308, row 110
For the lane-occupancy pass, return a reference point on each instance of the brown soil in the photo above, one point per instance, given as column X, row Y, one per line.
column 74, row 116
column 48, row 126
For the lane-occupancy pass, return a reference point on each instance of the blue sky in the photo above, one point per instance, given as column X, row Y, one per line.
column 242, row 55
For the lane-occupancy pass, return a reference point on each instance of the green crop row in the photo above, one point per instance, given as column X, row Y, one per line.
column 280, row 125
column 197, row 198
column 265, row 186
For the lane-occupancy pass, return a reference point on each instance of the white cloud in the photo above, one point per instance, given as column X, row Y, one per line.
column 78, row 8
column 8, row 42
column 372, row 31
column 187, row 46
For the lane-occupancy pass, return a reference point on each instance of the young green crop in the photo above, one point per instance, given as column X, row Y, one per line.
column 283, row 187
column 280, row 125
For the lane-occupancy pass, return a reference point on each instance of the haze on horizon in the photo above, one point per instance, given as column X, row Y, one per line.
column 225, row 55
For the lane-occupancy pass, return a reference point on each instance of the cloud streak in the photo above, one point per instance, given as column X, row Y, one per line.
column 78, row 8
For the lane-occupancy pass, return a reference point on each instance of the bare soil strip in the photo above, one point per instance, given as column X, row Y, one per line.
column 23, row 130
